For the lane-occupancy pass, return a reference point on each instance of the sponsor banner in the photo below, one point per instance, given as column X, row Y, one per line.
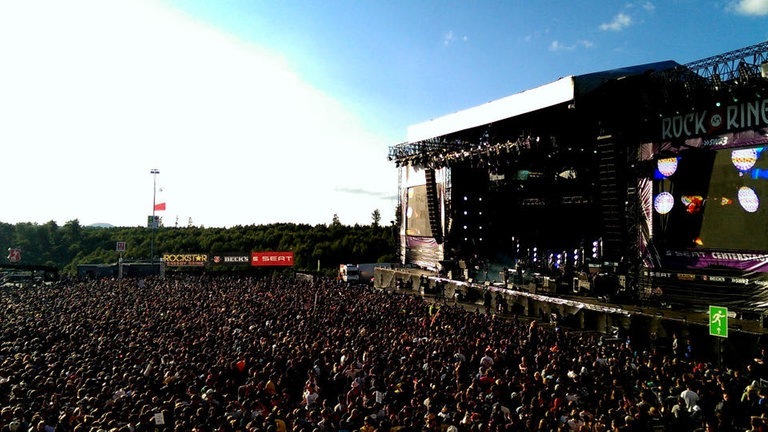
column 746, row 262
column 185, row 259
column 689, row 277
column 230, row 259
column 272, row 259
column 746, row 138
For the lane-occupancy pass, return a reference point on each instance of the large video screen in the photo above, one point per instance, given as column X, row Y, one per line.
column 417, row 212
column 716, row 200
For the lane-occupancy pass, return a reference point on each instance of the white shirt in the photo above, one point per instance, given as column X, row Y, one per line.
column 690, row 397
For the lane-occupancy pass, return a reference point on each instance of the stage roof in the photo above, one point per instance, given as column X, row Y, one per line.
column 563, row 90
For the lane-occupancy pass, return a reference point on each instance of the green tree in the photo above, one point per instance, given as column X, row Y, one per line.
column 71, row 244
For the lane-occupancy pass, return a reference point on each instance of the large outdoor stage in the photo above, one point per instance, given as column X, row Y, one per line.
column 646, row 184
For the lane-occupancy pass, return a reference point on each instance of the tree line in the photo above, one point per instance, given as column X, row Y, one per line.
column 64, row 247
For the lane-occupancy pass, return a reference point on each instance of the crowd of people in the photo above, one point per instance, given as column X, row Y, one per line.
column 277, row 354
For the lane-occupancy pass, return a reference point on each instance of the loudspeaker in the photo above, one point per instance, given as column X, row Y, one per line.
column 433, row 206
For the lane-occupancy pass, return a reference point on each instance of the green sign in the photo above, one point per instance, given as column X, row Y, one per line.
column 718, row 321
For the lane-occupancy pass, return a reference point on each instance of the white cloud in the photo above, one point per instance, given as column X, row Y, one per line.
column 556, row 45
column 751, row 7
column 449, row 38
column 646, row 6
column 97, row 93
column 619, row 22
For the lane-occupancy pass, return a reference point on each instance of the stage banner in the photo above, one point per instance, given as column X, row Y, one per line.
column 732, row 119
column 230, row 259
column 272, row 259
column 185, row 259
column 745, row 262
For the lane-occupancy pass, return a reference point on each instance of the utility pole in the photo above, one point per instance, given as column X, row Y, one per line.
column 153, row 224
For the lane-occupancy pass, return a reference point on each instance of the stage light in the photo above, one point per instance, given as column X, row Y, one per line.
column 748, row 199
column 667, row 166
column 663, row 203
column 744, row 159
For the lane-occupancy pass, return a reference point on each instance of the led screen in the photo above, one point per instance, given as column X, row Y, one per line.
column 417, row 213
column 713, row 200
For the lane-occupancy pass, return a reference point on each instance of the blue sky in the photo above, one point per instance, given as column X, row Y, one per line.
column 283, row 111
column 414, row 60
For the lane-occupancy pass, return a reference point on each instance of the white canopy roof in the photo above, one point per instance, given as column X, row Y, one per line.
column 527, row 101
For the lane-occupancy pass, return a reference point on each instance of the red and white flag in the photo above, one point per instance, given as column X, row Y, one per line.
column 160, row 206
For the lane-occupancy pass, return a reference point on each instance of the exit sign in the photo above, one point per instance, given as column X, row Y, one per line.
column 718, row 321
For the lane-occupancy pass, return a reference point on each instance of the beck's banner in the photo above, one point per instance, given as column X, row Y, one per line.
column 272, row 259
column 185, row 259
column 231, row 259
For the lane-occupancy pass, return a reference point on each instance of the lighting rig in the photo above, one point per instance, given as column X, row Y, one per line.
column 725, row 77
column 439, row 152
